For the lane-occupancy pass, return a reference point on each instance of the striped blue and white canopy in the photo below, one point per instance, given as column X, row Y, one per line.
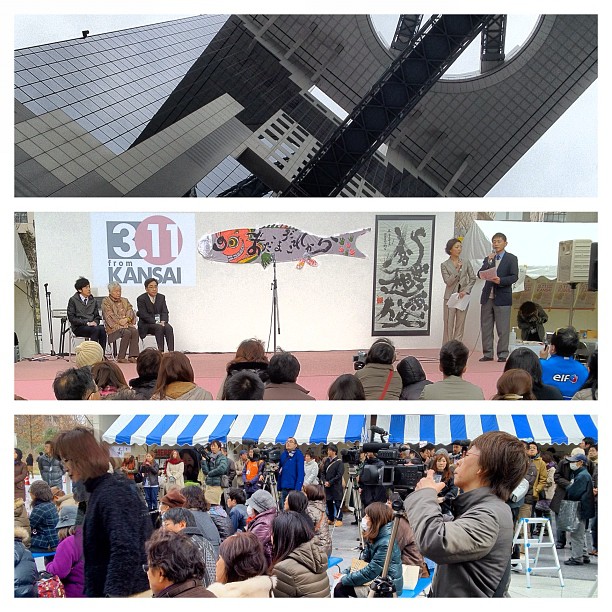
column 443, row 429
column 306, row 429
column 170, row 429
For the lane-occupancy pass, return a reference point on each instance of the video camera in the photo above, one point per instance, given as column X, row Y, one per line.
column 350, row 455
column 271, row 454
column 395, row 473
column 359, row 360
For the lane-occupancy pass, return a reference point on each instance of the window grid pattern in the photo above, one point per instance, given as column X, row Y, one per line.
column 112, row 84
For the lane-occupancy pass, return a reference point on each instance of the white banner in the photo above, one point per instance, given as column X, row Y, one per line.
column 128, row 248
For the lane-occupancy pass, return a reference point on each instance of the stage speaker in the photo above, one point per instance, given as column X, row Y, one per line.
column 593, row 268
column 574, row 261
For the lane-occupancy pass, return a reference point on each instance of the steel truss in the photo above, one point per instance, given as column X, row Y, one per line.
column 493, row 43
column 409, row 77
column 406, row 31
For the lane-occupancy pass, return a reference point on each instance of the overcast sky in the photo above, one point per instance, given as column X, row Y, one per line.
column 562, row 163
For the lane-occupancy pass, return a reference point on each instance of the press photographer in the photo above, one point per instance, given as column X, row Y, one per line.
column 530, row 319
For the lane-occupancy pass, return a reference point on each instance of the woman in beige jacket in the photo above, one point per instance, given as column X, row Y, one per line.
column 459, row 278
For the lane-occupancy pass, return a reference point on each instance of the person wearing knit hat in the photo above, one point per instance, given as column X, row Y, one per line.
column 563, row 477
column 88, row 353
column 261, row 510
column 172, row 499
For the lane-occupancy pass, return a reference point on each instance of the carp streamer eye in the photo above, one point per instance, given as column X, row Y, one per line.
column 232, row 243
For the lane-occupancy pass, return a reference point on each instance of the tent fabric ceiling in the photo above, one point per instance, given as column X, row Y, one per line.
column 306, row 429
column 169, row 430
column 443, row 429
column 172, row 430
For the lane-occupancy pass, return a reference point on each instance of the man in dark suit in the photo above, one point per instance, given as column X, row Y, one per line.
column 153, row 316
column 496, row 298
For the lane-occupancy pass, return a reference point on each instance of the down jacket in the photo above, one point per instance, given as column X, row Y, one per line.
column 258, row 586
column 26, row 575
column 303, row 573
column 375, row 553
column 473, row 550
column 317, row 512
column 22, row 520
column 261, row 526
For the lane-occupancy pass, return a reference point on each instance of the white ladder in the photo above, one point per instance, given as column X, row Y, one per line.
column 545, row 539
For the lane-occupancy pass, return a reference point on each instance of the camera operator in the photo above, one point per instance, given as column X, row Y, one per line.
column 214, row 466
column 372, row 493
column 473, row 550
column 252, row 472
column 291, row 470
column 531, row 318
column 331, row 475
column 379, row 379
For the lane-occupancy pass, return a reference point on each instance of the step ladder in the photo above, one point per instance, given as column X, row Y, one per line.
column 544, row 540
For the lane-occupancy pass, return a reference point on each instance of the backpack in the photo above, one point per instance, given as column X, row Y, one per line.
column 49, row 585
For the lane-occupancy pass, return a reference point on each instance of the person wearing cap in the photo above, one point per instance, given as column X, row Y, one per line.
column 580, row 490
column 563, row 476
column 456, row 451
column 331, row 475
column 261, row 510
column 68, row 564
column 88, row 353
column 172, row 499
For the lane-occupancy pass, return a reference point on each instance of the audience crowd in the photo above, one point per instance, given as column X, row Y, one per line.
column 203, row 524
column 556, row 374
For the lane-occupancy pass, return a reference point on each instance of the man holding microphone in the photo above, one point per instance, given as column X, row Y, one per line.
column 500, row 271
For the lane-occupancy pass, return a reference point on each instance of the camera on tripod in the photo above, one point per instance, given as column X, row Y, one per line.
column 359, row 360
column 396, row 474
column 351, row 455
column 271, row 454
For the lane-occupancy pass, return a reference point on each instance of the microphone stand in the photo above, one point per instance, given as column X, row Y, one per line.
column 49, row 318
column 274, row 317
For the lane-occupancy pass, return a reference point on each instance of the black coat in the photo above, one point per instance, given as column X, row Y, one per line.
column 563, row 476
column 144, row 387
column 115, row 530
column 332, row 472
column 372, row 493
column 80, row 314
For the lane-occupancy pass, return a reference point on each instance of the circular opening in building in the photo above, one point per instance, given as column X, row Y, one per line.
column 519, row 29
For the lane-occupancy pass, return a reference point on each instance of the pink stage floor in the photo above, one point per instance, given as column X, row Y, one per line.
column 34, row 379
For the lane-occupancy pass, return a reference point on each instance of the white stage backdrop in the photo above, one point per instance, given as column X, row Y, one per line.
column 215, row 305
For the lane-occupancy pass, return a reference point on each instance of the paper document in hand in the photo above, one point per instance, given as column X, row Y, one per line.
column 488, row 274
column 454, row 301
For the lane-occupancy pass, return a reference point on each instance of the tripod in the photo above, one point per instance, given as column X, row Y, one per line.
column 383, row 586
column 351, row 489
column 274, row 316
column 269, row 482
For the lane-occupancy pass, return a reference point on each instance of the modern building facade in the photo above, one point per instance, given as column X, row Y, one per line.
column 197, row 105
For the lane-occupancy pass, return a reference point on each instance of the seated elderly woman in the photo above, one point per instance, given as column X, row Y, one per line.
column 174, row 566
column 120, row 322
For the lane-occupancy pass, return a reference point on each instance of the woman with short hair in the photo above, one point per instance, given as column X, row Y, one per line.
column 459, row 278
column 120, row 322
column 43, row 519
column 116, row 524
column 298, row 563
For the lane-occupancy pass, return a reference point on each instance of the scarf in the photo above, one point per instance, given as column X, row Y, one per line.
column 177, row 389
